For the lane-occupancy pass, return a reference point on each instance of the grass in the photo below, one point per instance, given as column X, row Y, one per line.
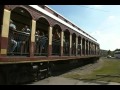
column 110, row 67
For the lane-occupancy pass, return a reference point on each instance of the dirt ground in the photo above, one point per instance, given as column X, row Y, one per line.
column 61, row 80
column 87, row 69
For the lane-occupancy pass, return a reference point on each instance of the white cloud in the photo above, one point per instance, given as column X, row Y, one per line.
column 111, row 18
column 107, row 40
column 97, row 6
column 108, row 33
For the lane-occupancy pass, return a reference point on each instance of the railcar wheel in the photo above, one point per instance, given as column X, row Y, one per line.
column 39, row 76
column 49, row 73
column 2, row 79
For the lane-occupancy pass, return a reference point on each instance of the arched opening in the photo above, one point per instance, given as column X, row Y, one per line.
column 79, row 46
column 83, row 46
column 19, row 37
column 98, row 49
column 89, row 48
column 73, row 44
column 41, row 37
column 66, row 42
column 56, row 41
column 95, row 49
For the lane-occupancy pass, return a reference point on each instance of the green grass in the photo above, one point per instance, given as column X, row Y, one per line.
column 110, row 67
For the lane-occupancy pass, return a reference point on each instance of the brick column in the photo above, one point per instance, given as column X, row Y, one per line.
column 5, row 32
column 62, row 34
column 32, row 42
column 70, row 45
column 81, row 46
column 76, row 45
column 97, row 49
column 50, row 42
column 85, row 47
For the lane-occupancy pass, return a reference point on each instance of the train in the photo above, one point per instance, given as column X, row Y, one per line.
column 35, row 38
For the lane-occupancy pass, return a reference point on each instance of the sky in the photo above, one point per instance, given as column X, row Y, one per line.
column 100, row 21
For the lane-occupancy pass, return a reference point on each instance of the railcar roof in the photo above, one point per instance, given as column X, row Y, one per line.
column 59, row 20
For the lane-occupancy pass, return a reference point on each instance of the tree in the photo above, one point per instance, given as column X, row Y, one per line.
column 117, row 49
column 109, row 52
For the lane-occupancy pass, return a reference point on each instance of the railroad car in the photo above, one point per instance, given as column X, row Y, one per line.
column 35, row 38
column 117, row 54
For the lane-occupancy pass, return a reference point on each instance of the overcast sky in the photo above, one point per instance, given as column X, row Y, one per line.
column 100, row 21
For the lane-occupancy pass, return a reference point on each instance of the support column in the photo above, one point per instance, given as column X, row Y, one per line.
column 96, row 49
column 50, row 41
column 32, row 42
column 62, row 34
column 81, row 47
column 85, row 47
column 93, row 49
column 5, row 32
column 70, row 45
column 76, row 45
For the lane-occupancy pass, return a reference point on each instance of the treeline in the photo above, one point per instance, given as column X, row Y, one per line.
column 108, row 52
column 103, row 53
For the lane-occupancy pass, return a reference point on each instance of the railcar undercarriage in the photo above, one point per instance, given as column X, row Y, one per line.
column 12, row 74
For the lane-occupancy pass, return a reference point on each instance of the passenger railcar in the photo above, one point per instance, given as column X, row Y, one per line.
column 29, row 54
column 117, row 54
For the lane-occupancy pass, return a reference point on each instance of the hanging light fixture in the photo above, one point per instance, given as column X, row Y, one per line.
column 22, row 11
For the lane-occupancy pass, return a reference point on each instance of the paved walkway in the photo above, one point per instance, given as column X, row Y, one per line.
column 66, row 81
